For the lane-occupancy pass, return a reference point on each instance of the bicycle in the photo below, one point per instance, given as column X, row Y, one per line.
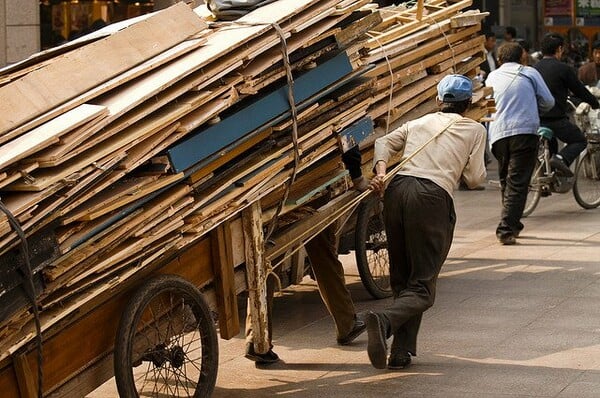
column 585, row 182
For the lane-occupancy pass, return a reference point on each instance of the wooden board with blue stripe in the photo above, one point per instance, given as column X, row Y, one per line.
column 264, row 110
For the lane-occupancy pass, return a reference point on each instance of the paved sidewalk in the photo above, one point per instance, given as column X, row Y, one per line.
column 509, row 321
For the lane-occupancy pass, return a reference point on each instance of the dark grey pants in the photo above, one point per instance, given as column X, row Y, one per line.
column 568, row 133
column 516, row 160
column 419, row 223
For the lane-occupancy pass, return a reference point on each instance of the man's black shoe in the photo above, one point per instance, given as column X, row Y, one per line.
column 357, row 330
column 507, row 239
column 399, row 360
column 377, row 345
column 558, row 164
column 266, row 358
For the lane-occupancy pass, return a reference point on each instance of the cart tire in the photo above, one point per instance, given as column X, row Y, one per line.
column 534, row 194
column 587, row 181
column 166, row 343
column 370, row 245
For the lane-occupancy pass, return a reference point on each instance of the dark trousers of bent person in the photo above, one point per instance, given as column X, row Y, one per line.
column 568, row 133
column 516, row 160
column 329, row 273
column 419, row 222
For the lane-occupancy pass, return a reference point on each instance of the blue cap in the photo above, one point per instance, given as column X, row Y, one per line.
column 455, row 88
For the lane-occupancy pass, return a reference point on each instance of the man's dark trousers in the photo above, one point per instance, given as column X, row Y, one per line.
column 568, row 133
column 419, row 222
column 516, row 160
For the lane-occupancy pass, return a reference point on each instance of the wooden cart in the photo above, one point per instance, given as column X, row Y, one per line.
column 161, row 322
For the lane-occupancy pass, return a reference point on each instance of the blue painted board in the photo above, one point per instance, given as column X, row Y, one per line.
column 211, row 140
column 356, row 133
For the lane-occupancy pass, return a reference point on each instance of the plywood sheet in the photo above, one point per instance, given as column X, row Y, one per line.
column 47, row 134
column 93, row 64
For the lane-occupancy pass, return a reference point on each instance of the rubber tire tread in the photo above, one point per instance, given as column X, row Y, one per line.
column 576, row 194
column 365, row 209
column 128, row 325
column 535, row 199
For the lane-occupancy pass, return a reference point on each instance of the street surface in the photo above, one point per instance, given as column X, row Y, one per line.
column 509, row 321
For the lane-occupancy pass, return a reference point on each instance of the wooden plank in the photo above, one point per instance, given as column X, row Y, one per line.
column 154, row 144
column 169, row 212
column 409, row 42
column 427, row 49
column 255, row 115
column 18, row 202
column 118, row 143
column 403, row 30
column 350, row 33
column 224, row 282
column 113, row 55
column 256, row 274
column 468, row 53
column 317, row 187
column 203, row 114
column 39, row 57
column 145, row 126
column 118, row 81
column 70, row 141
column 25, row 378
column 308, row 227
column 219, row 44
column 47, row 134
column 128, row 186
column 468, row 18
column 17, row 172
column 419, row 10
column 147, row 189
column 354, row 135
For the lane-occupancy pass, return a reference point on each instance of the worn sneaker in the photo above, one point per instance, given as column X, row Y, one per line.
column 558, row 164
column 268, row 357
column 507, row 239
column 399, row 360
column 377, row 345
column 358, row 328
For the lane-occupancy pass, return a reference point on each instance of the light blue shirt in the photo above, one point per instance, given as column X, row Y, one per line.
column 521, row 95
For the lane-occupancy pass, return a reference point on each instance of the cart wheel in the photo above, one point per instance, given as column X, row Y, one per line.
column 371, row 248
column 166, row 343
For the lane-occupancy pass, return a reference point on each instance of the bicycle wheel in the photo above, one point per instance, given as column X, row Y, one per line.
column 587, row 180
column 166, row 344
column 535, row 193
column 371, row 251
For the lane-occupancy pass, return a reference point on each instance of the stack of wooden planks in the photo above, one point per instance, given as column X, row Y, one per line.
column 413, row 48
column 123, row 150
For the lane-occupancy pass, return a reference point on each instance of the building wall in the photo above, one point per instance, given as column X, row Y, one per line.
column 524, row 17
column 19, row 30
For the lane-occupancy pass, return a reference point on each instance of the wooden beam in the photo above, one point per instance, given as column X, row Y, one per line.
column 256, row 273
column 224, row 282
column 420, row 10
column 25, row 378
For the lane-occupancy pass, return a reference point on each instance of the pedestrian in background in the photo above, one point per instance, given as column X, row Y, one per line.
column 589, row 73
column 510, row 34
column 419, row 212
column 521, row 95
column 490, row 63
column 561, row 79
